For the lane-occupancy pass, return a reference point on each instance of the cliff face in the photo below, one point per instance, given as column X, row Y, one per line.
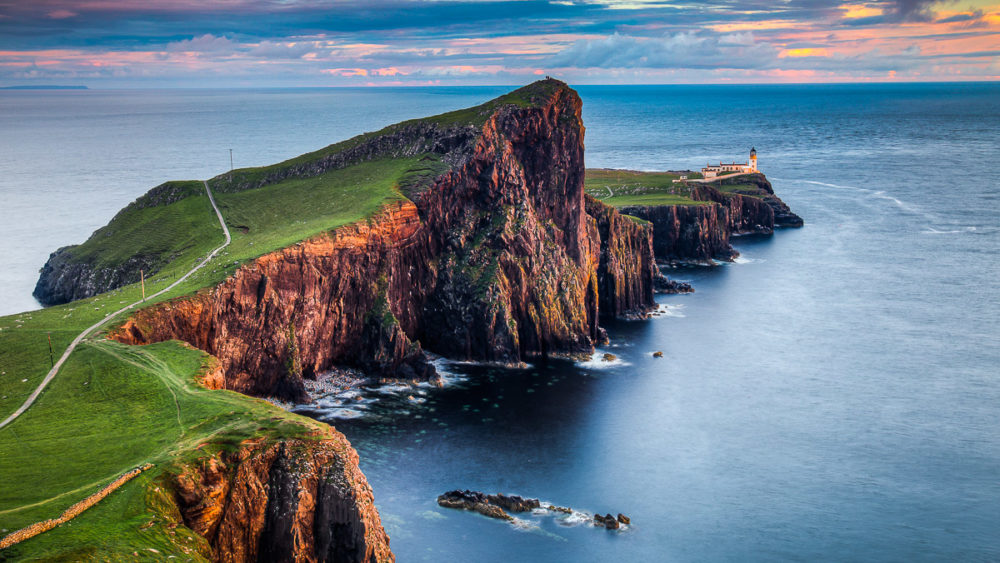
column 294, row 500
column 700, row 233
column 496, row 260
column 627, row 274
column 64, row 279
column 688, row 233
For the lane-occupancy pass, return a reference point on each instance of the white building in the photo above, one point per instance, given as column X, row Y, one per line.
column 713, row 170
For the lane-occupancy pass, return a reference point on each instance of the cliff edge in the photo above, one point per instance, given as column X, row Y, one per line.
column 492, row 255
column 693, row 222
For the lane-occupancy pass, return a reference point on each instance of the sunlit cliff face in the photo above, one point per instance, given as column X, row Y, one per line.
column 421, row 42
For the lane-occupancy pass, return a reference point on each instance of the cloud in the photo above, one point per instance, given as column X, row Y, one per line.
column 61, row 14
column 686, row 50
column 972, row 16
column 892, row 11
column 914, row 10
column 204, row 44
column 284, row 49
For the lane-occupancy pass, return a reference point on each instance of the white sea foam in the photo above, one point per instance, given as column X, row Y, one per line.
column 575, row 518
column 341, row 414
column 597, row 361
column 933, row 231
column 448, row 376
column 392, row 388
column 664, row 310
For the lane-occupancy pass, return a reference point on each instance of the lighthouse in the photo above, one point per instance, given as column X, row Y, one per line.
column 753, row 159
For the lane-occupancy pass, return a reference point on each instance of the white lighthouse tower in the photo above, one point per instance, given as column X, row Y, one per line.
column 753, row 159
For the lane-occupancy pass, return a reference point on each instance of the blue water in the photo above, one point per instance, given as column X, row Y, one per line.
column 834, row 395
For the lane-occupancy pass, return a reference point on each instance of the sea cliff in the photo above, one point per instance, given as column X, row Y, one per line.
column 694, row 221
column 497, row 258
column 291, row 500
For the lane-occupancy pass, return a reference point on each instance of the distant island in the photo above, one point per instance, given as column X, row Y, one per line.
column 43, row 87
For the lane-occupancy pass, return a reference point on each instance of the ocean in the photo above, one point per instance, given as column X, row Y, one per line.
column 831, row 395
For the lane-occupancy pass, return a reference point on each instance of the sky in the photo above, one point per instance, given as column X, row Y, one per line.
column 288, row 43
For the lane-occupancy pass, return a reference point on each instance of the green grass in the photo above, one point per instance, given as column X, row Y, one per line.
column 742, row 189
column 527, row 96
column 113, row 406
column 161, row 231
column 622, row 188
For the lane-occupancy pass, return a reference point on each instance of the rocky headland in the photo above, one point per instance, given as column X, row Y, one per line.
column 488, row 249
column 500, row 257
column 694, row 222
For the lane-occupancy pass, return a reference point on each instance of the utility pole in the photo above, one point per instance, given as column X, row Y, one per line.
column 52, row 360
column 142, row 280
column 230, row 160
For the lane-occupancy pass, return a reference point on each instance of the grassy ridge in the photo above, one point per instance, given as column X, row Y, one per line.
column 162, row 231
column 142, row 405
column 113, row 406
column 528, row 96
column 622, row 188
column 628, row 187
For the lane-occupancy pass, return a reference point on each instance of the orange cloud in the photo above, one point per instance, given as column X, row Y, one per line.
column 807, row 52
column 853, row 11
column 345, row 71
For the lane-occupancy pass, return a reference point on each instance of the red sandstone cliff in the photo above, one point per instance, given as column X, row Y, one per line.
column 495, row 260
column 627, row 274
column 700, row 233
column 295, row 500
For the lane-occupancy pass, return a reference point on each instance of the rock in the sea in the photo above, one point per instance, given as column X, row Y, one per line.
column 657, row 354
column 609, row 357
column 494, row 506
column 563, row 509
column 610, row 522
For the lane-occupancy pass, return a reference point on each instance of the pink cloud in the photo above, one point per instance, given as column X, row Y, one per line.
column 345, row 71
column 62, row 14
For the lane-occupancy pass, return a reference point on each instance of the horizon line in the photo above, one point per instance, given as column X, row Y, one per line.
column 84, row 88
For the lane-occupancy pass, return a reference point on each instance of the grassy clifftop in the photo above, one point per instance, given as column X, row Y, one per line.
column 113, row 407
column 622, row 188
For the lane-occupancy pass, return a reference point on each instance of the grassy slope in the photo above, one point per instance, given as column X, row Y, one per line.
column 622, row 188
column 57, row 453
column 113, row 407
column 626, row 187
column 166, row 231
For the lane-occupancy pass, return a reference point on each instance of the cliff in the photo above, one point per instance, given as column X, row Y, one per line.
column 699, row 229
column 627, row 274
column 292, row 500
column 493, row 257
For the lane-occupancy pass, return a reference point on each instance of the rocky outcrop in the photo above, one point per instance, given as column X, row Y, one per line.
column 494, row 506
column 701, row 233
column 63, row 278
column 293, row 500
column 496, row 260
column 72, row 272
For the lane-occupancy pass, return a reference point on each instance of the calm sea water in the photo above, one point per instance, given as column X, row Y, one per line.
column 834, row 395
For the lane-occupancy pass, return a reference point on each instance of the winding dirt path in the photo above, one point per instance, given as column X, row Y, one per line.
column 69, row 350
